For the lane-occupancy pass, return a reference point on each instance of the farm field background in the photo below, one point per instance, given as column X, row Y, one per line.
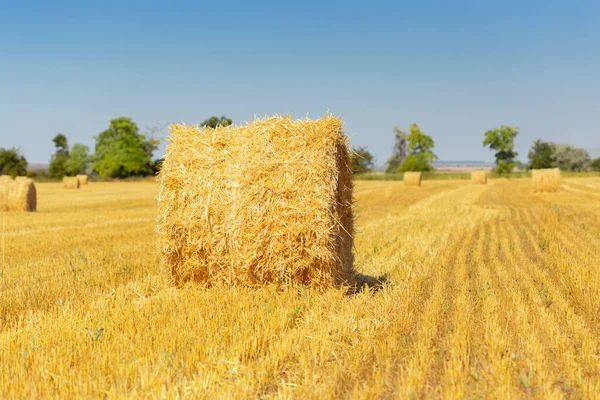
column 488, row 291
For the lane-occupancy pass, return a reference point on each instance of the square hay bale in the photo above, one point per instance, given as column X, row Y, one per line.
column 412, row 179
column 71, row 182
column 479, row 177
column 83, row 179
column 545, row 180
column 18, row 195
column 249, row 205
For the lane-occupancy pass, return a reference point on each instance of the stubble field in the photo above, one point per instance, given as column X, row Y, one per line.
column 488, row 291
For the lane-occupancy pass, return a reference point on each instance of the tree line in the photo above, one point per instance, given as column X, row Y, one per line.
column 120, row 151
column 413, row 151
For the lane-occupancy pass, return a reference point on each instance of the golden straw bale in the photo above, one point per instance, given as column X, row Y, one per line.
column 545, row 180
column 23, row 195
column 21, row 178
column 70, row 182
column 5, row 178
column 479, row 177
column 83, row 179
column 412, row 179
column 266, row 202
column 19, row 195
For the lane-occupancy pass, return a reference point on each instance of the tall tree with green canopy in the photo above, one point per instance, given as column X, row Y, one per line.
column 399, row 153
column 541, row 155
column 362, row 160
column 503, row 141
column 12, row 162
column 570, row 158
column 58, row 162
column 213, row 122
column 121, row 151
column 79, row 159
column 420, row 151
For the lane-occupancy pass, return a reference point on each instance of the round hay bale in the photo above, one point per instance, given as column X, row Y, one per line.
column 21, row 179
column 83, row 179
column 545, row 180
column 70, row 182
column 412, row 179
column 479, row 177
column 23, row 195
column 4, row 178
column 249, row 205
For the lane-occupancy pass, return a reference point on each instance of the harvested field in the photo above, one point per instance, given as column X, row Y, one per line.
column 487, row 291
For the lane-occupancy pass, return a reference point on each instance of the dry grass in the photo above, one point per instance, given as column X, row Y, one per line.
column 412, row 178
column 490, row 292
column 479, row 177
column 83, row 179
column 266, row 202
column 545, row 180
column 71, row 182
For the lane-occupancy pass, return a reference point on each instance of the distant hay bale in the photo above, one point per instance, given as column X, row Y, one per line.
column 412, row 179
column 479, row 177
column 83, row 179
column 18, row 195
column 70, row 182
column 249, row 205
column 545, row 180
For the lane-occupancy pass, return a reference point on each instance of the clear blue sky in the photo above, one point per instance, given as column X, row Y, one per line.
column 457, row 68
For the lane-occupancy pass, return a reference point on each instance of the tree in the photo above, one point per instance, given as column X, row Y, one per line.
column 399, row 153
column 420, row 154
column 541, row 155
column 569, row 158
column 213, row 122
column 78, row 160
column 12, row 162
column 362, row 160
column 503, row 141
column 57, row 168
column 595, row 164
column 121, row 151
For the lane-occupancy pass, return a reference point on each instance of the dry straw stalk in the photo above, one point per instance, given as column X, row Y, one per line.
column 479, row 177
column 545, row 180
column 70, row 182
column 83, row 179
column 412, row 178
column 19, row 195
column 266, row 202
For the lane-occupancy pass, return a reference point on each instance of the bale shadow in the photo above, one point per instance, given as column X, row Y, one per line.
column 359, row 282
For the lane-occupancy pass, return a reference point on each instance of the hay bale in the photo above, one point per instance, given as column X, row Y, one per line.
column 266, row 202
column 23, row 195
column 4, row 178
column 21, row 178
column 479, row 177
column 70, row 182
column 412, row 179
column 545, row 180
column 83, row 179
column 18, row 195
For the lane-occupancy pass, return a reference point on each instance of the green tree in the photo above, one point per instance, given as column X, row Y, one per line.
column 595, row 164
column 503, row 141
column 541, row 155
column 58, row 162
column 121, row 151
column 213, row 122
column 12, row 162
column 362, row 160
column 420, row 154
column 399, row 153
column 569, row 158
column 79, row 159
